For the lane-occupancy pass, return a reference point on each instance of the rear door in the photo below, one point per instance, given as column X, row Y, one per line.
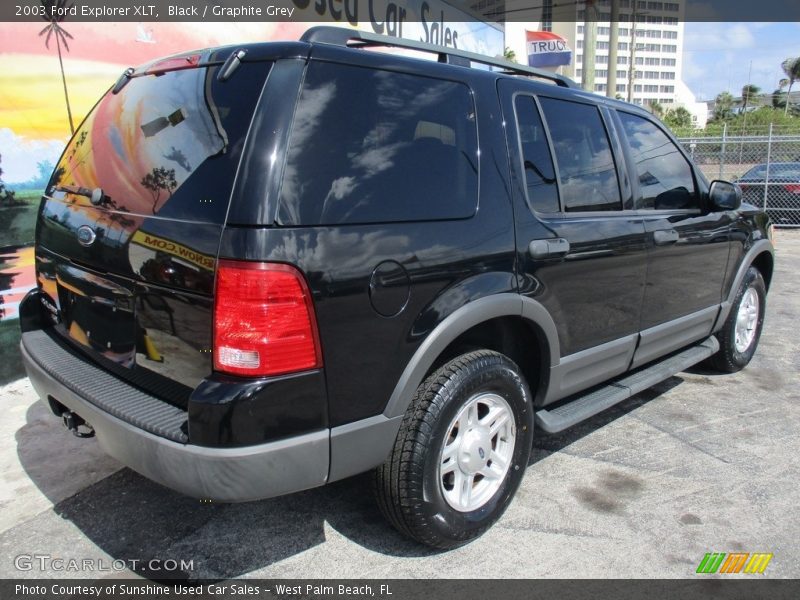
column 129, row 228
column 688, row 245
column 581, row 249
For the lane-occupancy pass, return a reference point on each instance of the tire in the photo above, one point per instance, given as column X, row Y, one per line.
column 417, row 488
column 735, row 352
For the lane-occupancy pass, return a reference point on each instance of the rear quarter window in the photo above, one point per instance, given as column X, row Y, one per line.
column 372, row 146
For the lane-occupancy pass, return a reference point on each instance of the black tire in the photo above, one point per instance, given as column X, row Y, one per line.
column 408, row 485
column 729, row 359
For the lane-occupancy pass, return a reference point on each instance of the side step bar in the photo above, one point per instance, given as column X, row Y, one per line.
column 598, row 400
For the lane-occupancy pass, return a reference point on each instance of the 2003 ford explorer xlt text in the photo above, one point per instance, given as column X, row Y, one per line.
column 267, row 267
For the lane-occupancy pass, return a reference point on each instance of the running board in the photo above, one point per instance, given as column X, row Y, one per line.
column 598, row 400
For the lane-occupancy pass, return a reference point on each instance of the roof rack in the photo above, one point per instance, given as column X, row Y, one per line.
column 351, row 38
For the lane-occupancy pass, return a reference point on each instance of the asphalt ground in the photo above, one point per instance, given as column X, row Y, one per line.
column 700, row 463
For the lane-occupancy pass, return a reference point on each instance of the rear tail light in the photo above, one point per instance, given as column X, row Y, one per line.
column 792, row 188
column 264, row 321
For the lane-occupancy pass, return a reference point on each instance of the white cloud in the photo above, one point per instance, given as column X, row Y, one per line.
column 20, row 155
column 718, row 36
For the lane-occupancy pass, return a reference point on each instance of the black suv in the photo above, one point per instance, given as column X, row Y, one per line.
column 268, row 267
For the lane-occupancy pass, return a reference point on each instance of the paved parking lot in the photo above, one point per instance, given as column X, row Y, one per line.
column 701, row 463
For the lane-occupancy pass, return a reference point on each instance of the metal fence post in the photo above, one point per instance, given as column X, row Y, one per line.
column 769, row 158
column 722, row 150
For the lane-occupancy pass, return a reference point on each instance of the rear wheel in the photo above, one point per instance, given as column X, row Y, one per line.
column 738, row 338
column 461, row 451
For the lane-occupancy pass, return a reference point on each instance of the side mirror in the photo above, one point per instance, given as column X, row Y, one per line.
column 724, row 195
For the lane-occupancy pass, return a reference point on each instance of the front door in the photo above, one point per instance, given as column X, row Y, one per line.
column 688, row 245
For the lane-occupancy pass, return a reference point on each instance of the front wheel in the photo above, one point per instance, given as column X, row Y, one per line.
column 461, row 451
column 738, row 338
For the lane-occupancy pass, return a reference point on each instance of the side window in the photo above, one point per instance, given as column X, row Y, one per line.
column 540, row 176
column 372, row 146
column 665, row 177
column 586, row 169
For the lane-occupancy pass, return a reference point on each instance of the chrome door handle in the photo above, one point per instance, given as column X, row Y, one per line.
column 664, row 237
column 548, row 248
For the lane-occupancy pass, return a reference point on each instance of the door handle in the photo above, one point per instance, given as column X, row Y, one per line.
column 664, row 237
column 548, row 248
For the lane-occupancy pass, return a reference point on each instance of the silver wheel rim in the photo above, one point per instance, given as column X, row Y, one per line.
column 477, row 452
column 746, row 320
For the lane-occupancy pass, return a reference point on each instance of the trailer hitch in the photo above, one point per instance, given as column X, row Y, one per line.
column 76, row 425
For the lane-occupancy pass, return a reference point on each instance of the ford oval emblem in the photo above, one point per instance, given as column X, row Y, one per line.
column 86, row 235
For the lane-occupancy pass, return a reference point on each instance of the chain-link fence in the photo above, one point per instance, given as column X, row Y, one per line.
column 766, row 166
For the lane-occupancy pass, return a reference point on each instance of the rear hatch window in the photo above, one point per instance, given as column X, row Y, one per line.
column 130, row 225
column 165, row 145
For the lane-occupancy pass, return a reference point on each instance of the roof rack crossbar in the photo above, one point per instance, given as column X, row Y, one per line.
column 340, row 36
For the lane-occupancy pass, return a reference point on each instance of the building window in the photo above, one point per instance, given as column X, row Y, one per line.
column 670, row 48
column 600, row 87
column 651, row 89
column 671, row 6
column 637, row 88
column 601, row 73
column 622, row 74
column 670, row 20
column 651, row 75
column 622, row 60
column 667, row 62
column 622, row 46
column 671, row 35
column 667, row 75
column 621, row 87
column 667, row 89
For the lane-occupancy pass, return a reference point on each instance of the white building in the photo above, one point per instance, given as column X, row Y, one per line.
column 649, row 49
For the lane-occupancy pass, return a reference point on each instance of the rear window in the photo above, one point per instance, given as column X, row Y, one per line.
column 370, row 146
column 165, row 145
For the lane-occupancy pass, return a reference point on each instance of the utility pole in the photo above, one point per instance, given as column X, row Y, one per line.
column 632, row 62
column 589, row 45
column 613, row 42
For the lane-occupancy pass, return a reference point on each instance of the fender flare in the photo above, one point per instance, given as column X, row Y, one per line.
column 755, row 250
column 461, row 320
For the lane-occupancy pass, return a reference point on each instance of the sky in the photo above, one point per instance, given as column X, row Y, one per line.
column 718, row 56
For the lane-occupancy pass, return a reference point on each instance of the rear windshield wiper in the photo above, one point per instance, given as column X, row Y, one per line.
column 96, row 196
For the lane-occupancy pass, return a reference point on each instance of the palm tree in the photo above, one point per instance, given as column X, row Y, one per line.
column 54, row 12
column 779, row 96
column 723, row 106
column 749, row 92
column 657, row 108
column 510, row 55
column 791, row 66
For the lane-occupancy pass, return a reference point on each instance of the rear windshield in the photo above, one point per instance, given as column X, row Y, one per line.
column 371, row 146
column 165, row 145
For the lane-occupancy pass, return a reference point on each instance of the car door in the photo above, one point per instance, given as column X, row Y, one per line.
column 581, row 249
column 688, row 245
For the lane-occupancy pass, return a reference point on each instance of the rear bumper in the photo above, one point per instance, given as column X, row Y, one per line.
column 222, row 474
